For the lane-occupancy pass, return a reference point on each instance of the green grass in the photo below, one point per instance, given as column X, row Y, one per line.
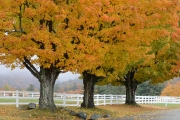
column 7, row 100
column 13, row 100
column 171, row 106
column 20, row 100
column 56, row 101
column 107, row 101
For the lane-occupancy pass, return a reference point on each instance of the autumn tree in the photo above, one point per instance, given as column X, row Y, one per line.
column 122, row 41
column 34, row 35
column 87, row 28
column 7, row 87
column 147, row 44
column 171, row 89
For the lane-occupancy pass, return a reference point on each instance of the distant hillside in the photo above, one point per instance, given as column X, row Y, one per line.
column 20, row 80
column 72, row 87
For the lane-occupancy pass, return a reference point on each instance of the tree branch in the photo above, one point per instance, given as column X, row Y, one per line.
column 31, row 68
column 57, row 74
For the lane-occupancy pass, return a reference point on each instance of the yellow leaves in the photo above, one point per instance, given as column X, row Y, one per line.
column 45, row 9
column 47, row 6
column 14, row 3
column 100, row 72
column 29, row 12
column 107, row 18
column 87, row 34
column 82, row 1
column 2, row 15
column 13, row 66
column 81, row 46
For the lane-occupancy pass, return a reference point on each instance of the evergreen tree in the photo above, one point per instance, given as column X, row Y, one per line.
column 109, row 89
column 31, row 87
column 150, row 89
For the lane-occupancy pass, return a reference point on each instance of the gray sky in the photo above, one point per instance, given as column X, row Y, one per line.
column 64, row 76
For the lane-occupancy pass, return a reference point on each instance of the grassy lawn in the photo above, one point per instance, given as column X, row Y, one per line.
column 171, row 106
column 10, row 112
column 13, row 100
column 20, row 100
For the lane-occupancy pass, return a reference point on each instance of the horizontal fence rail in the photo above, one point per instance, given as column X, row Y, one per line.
column 25, row 97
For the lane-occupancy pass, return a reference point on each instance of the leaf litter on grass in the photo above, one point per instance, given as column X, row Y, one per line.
column 10, row 112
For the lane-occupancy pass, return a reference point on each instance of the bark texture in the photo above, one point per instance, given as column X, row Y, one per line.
column 47, row 80
column 89, row 81
column 131, row 86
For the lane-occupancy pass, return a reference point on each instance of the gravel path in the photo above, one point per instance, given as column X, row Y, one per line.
column 173, row 114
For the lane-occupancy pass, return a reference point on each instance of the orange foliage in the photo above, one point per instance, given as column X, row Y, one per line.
column 171, row 90
column 83, row 35
column 146, row 42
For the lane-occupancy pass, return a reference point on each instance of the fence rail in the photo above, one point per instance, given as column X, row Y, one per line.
column 25, row 97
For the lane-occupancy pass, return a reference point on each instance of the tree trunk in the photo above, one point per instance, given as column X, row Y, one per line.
column 47, row 80
column 131, row 86
column 89, row 81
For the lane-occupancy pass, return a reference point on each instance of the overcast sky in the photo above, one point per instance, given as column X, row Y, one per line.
column 64, row 76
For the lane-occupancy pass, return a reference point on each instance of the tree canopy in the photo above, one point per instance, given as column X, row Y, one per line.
column 120, row 40
column 146, row 47
column 148, row 43
column 35, row 34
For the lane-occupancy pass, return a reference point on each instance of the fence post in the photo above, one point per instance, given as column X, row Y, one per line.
column 123, row 99
column 97, row 100
column 155, row 100
column 166, row 100
column 104, row 99
column 77, row 99
column 116, row 99
column 17, row 100
column 64, row 99
column 111, row 98
column 151, row 99
column 4, row 94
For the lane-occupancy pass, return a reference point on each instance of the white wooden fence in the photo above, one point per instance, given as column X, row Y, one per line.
column 24, row 97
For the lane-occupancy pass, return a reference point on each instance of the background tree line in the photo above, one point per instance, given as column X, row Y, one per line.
column 76, row 87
